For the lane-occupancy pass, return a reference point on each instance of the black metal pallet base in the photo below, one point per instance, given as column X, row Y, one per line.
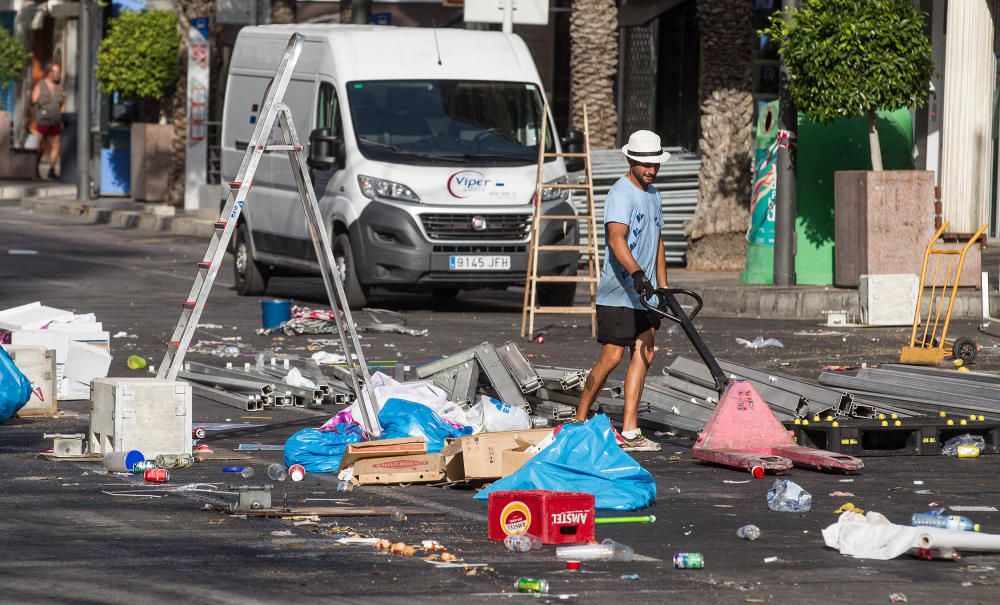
column 892, row 437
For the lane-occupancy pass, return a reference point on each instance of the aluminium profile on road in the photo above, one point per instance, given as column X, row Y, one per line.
column 507, row 390
column 813, row 399
column 228, row 383
column 446, row 363
column 565, row 379
column 942, row 373
column 519, row 367
column 249, row 403
column 466, row 384
column 950, row 384
column 242, row 378
column 927, row 397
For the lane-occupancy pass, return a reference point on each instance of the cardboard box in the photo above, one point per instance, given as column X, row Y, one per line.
column 31, row 316
column 555, row 517
column 515, row 459
column 420, row 468
column 382, row 448
column 481, row 456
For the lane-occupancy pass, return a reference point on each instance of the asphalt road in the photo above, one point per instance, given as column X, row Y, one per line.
column 68, row 540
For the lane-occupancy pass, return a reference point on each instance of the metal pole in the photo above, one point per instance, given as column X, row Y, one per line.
column 508, row 16
column 784, row 211
column 361, row 11
column 85, row 80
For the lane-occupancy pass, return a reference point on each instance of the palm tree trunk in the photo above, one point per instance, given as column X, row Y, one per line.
column 716, row 232
column 593, row 32
column 873, row 142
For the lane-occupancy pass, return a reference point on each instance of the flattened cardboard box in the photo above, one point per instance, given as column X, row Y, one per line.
column 421, row 468
column 402, row 446
column 481, row 456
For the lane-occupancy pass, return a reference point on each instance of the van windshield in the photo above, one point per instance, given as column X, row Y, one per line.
column 447, row 122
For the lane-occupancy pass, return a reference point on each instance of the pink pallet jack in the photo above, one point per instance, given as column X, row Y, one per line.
column 742, row 431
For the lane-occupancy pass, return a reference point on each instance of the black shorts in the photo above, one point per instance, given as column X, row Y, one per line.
column 621, row 325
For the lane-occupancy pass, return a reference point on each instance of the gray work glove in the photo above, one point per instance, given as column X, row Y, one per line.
column 642, row 285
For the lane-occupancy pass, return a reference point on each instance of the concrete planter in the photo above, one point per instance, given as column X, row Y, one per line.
column 14, row 163
column 151, row 147
column 882, row 223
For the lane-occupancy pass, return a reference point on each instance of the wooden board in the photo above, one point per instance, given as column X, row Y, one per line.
column 83, row 458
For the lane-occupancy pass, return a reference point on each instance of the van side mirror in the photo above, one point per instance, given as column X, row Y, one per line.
column 572, row 142
column 325, row 150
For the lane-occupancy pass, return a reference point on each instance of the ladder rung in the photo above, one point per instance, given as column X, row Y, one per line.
column 283, row 148
column 563, row 217
column 205, row 264
column 564, row 278
column 220, row 225
column 236, row 184
column 565, row 247
column 564, row 155
column 189, row 304
column 175, row 343
column 588, row 310
column 565, row 185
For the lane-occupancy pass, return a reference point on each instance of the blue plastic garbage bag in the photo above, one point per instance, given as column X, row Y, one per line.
column 320, row 451
column 403, row 418
column 585, row 458
column 15, row 388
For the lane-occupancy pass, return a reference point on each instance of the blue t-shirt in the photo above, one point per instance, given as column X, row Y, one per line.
column 640, row 210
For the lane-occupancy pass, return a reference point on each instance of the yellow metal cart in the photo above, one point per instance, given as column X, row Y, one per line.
column 929, row 344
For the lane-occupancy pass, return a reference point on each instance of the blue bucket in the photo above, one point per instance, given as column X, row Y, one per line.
column 275, row 312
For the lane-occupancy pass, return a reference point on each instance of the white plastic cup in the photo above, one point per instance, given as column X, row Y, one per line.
column 297, row 472
column 608, row 550
column 122, row 462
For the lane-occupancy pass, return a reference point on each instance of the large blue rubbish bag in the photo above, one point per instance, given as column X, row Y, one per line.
column 585, row 458
column 320, row 451
column 403, row 418
column 15, row 388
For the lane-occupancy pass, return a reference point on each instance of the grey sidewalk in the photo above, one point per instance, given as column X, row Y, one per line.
column 723, row 293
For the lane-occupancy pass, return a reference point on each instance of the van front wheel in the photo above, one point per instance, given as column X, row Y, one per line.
column 356, row 294
column 251, row 276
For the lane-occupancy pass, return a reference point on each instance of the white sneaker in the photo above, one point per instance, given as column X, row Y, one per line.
column 637, row 443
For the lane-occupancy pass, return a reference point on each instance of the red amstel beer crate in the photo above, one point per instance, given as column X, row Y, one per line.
column 555, row 517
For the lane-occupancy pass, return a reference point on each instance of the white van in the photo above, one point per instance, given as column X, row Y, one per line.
column 422, row 144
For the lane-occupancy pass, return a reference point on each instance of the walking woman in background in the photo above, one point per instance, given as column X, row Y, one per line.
column 47, row 105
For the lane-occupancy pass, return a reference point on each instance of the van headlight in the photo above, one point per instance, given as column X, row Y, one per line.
column 556, row 195
column 372, row 188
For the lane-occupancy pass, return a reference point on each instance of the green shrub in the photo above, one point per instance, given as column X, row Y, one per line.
column 13, row 58
column 847, row 58
column 138, row 58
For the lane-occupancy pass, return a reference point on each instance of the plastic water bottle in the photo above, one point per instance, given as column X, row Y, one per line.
column 247, row 472
column 522, row 542
column 748, row 532
column 944, row 521
column 788, row 497
column 345, row 485
column 398, row 516
column 277, row 472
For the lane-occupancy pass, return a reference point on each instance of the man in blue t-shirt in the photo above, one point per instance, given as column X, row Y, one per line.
column 632, row 225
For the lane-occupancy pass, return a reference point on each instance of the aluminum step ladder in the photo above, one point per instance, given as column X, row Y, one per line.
column 273, row 109
column 532, row 279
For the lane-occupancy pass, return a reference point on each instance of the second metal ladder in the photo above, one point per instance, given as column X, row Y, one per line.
column 532, row 279
column 274, row 109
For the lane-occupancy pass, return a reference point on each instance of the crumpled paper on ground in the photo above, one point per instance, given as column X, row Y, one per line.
column 870, row 536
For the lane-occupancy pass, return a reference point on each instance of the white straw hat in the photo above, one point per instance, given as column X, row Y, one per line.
column 644, row 147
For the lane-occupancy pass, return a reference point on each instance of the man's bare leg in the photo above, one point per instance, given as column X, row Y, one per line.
column 635, row 377
column 54, row 147
column 607, row 361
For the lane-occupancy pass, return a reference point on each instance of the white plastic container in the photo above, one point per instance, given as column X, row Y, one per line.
column 146, row 414
column 39, row 365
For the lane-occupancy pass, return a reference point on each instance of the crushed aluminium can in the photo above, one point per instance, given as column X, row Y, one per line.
column 532, row 585
column 145, row 465
column 156, row 475
column 689, row 560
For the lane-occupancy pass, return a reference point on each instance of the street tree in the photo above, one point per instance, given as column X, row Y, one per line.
column 593, row 33
column 138, row 58
column 716, row 231
column 13, row 58
column 849, row 58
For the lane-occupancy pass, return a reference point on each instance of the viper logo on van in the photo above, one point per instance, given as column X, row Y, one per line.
column 465, row 183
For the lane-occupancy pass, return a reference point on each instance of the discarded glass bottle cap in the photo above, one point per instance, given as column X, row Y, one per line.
column 757, row 472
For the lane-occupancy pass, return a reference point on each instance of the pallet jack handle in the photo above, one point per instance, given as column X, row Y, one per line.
column 676, row 314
